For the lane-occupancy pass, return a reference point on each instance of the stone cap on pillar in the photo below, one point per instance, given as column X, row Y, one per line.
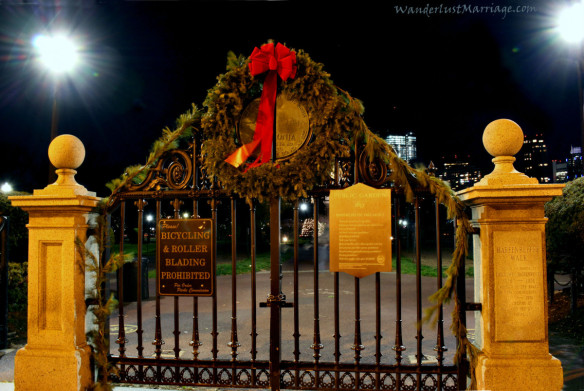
column 66, row 153
column 502, row 139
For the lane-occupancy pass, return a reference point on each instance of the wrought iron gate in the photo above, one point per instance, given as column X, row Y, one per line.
column 296, row 327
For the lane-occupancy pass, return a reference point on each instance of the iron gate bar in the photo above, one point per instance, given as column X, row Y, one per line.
column 419, row 356
column 214, row 332
column 337, row 335
column 378, row 335
column 275, row 293
column 121, row 341
column 176, row 204
column 357, row 346
column 398, row 347
column 439, row 348
column 253, row 333
column 296, row 334
column 158, row 341
column 140, row 204
column 234, row 343
column 195, row 337
column 316, row 344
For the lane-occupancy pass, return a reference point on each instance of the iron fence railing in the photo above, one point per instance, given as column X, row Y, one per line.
column 321, row 330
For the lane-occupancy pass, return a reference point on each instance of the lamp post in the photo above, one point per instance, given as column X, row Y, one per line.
column 58, row 54
column 570, row 25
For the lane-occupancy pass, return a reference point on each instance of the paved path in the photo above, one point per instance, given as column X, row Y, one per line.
column 305, row 299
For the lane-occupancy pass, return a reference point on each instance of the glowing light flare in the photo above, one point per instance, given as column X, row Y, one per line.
column 6, row 188
column 58, row 53
column 570, row 23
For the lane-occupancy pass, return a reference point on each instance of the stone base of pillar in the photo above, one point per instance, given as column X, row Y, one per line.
column 519, row 374
column 50, row 370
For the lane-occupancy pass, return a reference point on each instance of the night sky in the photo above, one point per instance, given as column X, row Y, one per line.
column 444, row 77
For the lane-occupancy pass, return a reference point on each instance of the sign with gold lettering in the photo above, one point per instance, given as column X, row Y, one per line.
column 519, row 286
column 185, row 257
column 360, row 230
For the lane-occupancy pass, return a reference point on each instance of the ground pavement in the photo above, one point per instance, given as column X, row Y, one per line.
column 571, row 358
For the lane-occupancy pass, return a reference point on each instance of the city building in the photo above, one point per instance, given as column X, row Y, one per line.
column 574, row 163
column 570, row 168
column 560, row 171
column 404, row 146
column 534, row 161
column 460, row 173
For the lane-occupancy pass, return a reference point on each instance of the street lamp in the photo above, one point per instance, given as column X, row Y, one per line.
column 59, row 55
column 570, row 26
column 6, row 188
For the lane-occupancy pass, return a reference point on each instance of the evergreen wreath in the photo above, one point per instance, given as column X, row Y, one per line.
column 331, row 112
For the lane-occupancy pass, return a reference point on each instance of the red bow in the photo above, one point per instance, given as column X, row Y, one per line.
column 279, row 61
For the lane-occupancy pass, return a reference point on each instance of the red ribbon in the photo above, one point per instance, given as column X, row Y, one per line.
column 278, row 61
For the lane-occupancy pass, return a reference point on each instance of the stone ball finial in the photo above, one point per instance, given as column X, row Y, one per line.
column 66, row 152
column 503, row 137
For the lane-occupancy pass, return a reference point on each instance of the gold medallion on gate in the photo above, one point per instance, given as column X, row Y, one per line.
column 292, row 125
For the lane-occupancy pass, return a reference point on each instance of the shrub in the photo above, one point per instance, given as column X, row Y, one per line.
column 17, row 297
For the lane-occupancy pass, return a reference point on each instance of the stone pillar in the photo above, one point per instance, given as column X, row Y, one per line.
column 510, row 270
column 56, row 356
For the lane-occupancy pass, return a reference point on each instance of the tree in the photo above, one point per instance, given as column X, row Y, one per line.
column 565, row 234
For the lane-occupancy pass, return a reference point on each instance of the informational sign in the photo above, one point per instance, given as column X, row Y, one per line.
column 360, row 230
column 185, row 261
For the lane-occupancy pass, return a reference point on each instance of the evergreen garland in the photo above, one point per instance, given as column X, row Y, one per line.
column 337, row 126
column 102, row 307
column 169, row 140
